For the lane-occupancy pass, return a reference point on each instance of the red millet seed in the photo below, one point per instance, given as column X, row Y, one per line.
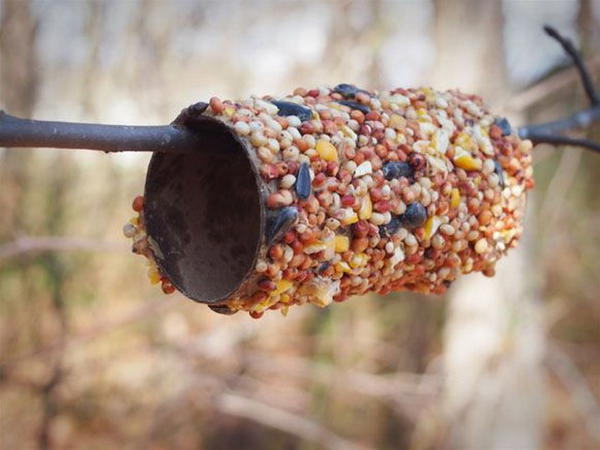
column 289, row 237
column 267, row 285
column 167, row 287
column 276, row 252
column 359, row 245
column 360, row 228
column 319, row 179
column 307, row 128
column 359, row 158
column 348, row 200
column 138, row 203
column 269, row 171
column 297, row 246
column 325, row 115
column 256, row 314
column 357, row 115
column 382, row 206
column 290, row 273
column 216, row 105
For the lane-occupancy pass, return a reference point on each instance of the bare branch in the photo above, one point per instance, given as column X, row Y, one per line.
column 270, row 416
column 17, row 132
column 549, row 132
column 584, row 73
column 23, row 245
column 539, row 91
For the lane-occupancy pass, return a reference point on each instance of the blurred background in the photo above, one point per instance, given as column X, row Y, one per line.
column 92, row 356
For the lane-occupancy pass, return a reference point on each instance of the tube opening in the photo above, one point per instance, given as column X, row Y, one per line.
column 203, row 215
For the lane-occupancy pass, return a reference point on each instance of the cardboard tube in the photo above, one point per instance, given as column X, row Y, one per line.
column 331, row 193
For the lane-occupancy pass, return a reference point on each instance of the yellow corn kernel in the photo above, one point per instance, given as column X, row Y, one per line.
column 359, row 260
column 350, row 218
column 455, row 198
column 285, row 298
column 422, row 115
column 431, row 226
column 229, row 111
column 342, row 266
column 281, row 286
column 366, row 208
column 315, row 247
column 321, row 298
column 464, row 160
column 342, row 243
column 154, row 276
column 319, row 294
column 134, row 221
column 327, row 150
column 468, row 163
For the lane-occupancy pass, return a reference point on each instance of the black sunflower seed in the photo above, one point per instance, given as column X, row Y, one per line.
column 303, row 185
column 500, row 172
column 348, row 90
column 292, row 109
column 278, row 222
column 354, row 105
column 504, row 125
column 390, row 228
column 397, row 169
column 415, row 215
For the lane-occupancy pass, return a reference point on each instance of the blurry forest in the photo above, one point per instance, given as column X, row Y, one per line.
column 92, row 356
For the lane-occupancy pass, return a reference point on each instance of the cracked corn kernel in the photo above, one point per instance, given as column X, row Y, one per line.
column 466, row 161
column 359, row 260
column 327, row 150
column 349, row 218
column 281, row 286
column 455, row 198
column 431, row 226
column 342, row 244
column 366, row 208
column 153, row 276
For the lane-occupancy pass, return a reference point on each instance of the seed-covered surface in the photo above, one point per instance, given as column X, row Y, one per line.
column 395, row 190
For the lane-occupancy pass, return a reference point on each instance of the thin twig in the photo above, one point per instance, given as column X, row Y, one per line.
column 305, row 429
column 579, row 120
column 584, row 73
column 23, row 245
column 549, row 132
column 581, row 394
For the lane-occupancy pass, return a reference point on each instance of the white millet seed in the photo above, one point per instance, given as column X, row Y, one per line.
column 481, row 246
column 287, row 181
column 242, row 128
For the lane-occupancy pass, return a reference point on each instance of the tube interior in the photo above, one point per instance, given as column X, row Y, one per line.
column 203, row 215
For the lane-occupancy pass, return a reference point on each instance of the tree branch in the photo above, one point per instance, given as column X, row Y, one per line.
column 584, row 73
column 549, row 132
column 23, row 245
column 17, row 132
